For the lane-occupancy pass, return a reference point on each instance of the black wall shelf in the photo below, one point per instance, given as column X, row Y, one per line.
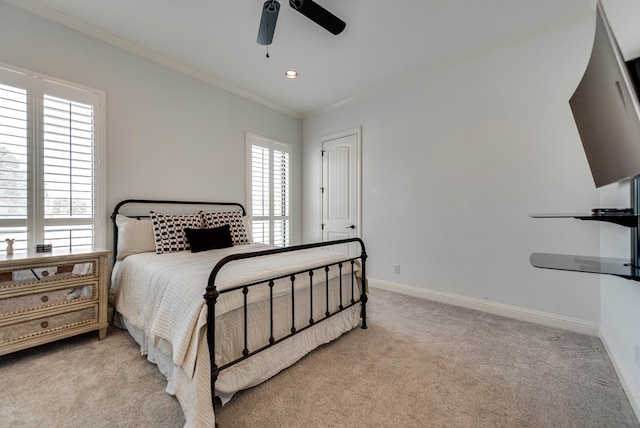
column 622, row 219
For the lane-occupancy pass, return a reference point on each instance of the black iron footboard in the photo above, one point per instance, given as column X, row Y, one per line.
column 211, row 295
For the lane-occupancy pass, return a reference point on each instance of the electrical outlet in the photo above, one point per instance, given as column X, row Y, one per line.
column 396, row 269
column 638, row 355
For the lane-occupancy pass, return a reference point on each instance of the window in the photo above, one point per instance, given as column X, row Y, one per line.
column 51, row 169
column 269, row 166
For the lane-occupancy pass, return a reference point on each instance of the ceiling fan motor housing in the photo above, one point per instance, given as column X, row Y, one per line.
column 272, row 6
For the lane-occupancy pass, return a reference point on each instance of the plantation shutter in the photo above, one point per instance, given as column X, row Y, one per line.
column 13, row 165
column 51, row 174
column 68, row 160
column 269, row 207
column 260, row 194
column 280, row 198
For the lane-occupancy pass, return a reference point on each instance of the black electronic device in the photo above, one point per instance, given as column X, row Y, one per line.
column 612, row 210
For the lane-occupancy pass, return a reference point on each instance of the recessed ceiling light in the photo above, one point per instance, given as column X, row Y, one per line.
column 291, row 74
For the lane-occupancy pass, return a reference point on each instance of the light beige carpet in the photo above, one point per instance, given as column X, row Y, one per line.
column 420, row 364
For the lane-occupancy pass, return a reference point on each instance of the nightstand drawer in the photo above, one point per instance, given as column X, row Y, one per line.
column 41, row 273
column 39, row 299
column 47, row 324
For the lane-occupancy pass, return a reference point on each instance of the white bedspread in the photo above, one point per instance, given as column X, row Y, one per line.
column 162, row 296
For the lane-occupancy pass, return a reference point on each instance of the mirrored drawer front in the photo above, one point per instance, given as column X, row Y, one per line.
column 63, row 296
column 42, row 273
column 47, row 324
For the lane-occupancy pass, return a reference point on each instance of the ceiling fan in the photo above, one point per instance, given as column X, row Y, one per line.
column 308, row 8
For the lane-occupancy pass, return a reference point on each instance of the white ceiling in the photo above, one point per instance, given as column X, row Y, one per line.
column 384, row 41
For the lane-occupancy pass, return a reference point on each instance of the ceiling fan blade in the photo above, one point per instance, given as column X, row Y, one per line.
column 268, row 20
column 319, row 15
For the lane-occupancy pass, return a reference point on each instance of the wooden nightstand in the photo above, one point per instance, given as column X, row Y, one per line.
column 50, row 296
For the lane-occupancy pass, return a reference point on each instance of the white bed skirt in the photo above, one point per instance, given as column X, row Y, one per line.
column 194, row 393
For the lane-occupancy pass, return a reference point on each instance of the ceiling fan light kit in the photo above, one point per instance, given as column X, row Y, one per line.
column 308, row 8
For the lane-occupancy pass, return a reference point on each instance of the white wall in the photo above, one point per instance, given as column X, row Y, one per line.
column 168, row 135
column 454, row 163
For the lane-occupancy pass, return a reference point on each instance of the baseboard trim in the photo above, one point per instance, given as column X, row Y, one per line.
column 543, row 318
column 633, row 394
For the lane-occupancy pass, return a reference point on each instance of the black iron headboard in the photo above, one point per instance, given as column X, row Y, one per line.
column 160, row 202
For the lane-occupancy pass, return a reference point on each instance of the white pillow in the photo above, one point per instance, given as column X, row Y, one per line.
column 247, row 228
column 134, row 236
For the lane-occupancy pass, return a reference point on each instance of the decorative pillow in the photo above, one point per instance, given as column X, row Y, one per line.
column 233, row 219
column 134, row 236
column 209, row 239
column 168, row 231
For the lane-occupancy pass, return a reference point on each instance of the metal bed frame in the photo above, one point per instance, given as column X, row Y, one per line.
column 211, row 292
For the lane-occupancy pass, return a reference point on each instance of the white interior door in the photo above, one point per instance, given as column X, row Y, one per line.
column 341, row 205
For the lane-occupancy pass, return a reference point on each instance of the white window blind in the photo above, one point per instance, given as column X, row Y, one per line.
column 270, row 182
column 51, row 170
column 13, row 166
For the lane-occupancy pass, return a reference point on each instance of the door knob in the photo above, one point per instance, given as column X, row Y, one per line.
column 353, row 226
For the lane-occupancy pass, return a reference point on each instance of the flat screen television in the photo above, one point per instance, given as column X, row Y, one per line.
column 606, row 109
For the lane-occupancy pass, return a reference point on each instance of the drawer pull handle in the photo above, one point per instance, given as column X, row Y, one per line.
column 45, row 273
column 44, row 324
column 44, row 299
